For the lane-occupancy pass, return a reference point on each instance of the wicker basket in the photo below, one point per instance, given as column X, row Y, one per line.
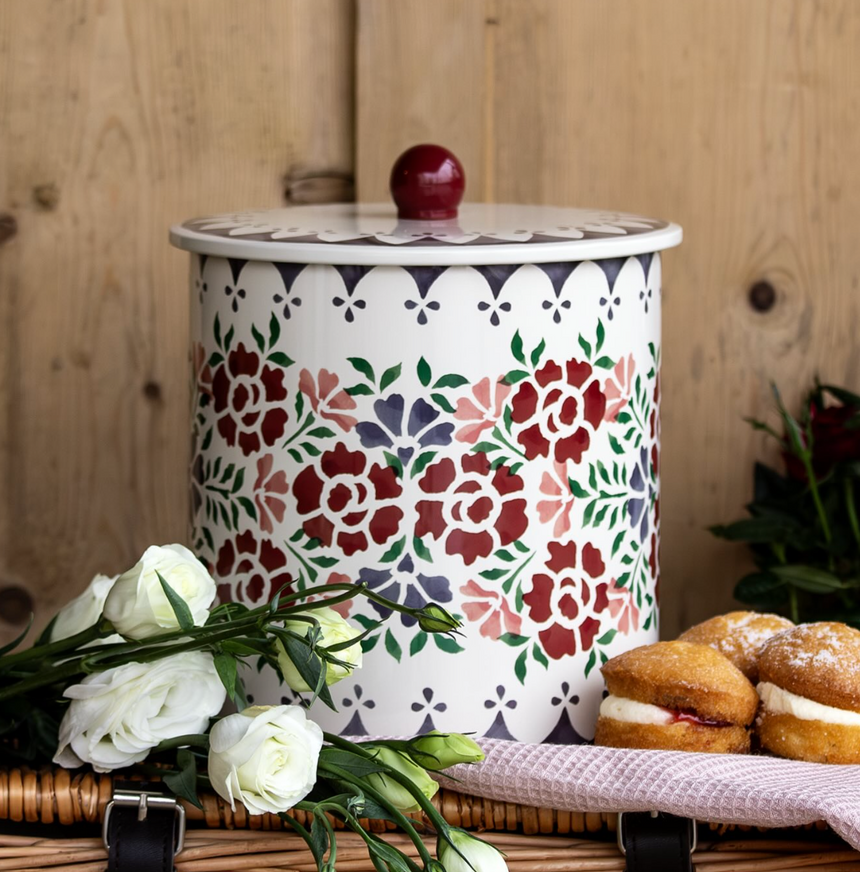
column 219, row 840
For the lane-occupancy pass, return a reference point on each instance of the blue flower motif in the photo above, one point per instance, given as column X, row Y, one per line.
column 406, row 587
column 640, row 482
column 421, row 431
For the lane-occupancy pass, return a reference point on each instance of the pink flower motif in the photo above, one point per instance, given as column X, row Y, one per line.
column 269, row 491
column 619, row 602
column 555, row 485
column 618, row 387
column 492, row 608
column 329, row 402
column 484, row 413
column 343, row 609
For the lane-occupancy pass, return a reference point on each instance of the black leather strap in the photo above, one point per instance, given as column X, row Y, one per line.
column 657, row 844
column 140, row 845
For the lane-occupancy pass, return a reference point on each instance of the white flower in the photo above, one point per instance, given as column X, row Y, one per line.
column 117, row 716
column 138, row 607
column 335, row 629
column 474, row 854
column 265, row 757
column 84, row 610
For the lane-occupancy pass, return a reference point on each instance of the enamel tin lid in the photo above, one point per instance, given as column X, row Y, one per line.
column 426, row 228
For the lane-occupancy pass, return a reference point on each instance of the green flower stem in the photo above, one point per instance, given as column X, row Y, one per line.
column 397, row 816
column 308, row 421
column 52, row 649
column 57, row 675
column 852, row 509
column 427, row 807
column 793, row 604
column 192, row 740
column 498, row 434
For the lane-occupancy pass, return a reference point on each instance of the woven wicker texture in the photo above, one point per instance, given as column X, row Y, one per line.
column 246, row 851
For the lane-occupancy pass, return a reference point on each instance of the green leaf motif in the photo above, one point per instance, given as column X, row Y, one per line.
column 390, row 376
column 394, row 551
column 615, row 445
column 394, row 462
column 274, row 331
column 360, row 390
column 618, row 540
column 248, row 506
column 179, row 606
column 443, row 403
column 577, row 490
column 446, row 644
column 537, row 352
column 494, row 574
column 451, row 380
column 513, row 639
column 215, row 359
column 321, row 433
column 539, row 656
column 589, row 512
column 607, row 637
column 585, row 345
column 362, row 366
column 392, row 646
column 238, row 481
column 604, row 362
column 258, row 338
column 281, row 359
column 521, row 547
column 514, row 376
column 421, row 549
column 418, row 642
column 228, row 339
column 421, row 462
column 592, row 660
column 216, row 330
column 601, row 335
column 424, row 372
column 517, row 348
column 486, row 447
column 502, row 554
column 520, row 667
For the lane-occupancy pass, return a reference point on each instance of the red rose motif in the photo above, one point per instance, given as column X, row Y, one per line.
column 560, row 408
column 254, row 569
column 618, row 601
column 557, row 599
column 249, row 400
column 491, row 609
column 346, row 503
column 476, row 510
column 269, row 491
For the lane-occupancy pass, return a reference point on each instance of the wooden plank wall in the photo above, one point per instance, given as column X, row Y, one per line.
column 116, row 120
column 736, row 119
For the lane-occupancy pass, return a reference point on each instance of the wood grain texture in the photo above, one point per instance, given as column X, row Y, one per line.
column 116, row 120
column 738, row 120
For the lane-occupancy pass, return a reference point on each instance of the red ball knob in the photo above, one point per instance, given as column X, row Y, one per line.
column 427, row 183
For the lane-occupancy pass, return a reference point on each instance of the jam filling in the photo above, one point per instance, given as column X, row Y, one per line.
column 692, row 718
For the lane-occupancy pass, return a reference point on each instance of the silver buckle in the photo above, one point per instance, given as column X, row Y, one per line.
column 694, row 838
column 144, row 800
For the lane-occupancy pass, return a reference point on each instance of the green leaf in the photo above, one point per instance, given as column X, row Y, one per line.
column 418, row 642
column 258, row 338
column 248, row 506
column 184, row 781
column 354, row 763
column 296, row 455
column 515, row 375
column 585, row 345
column 502, row 554
column 592, row 660
column 311, row 449
column 764, row 529
column 598, row 518
column 494, row 574
column 617, row 542
column 389, row 376
column 486, row 447
column 225, row 666
column 307, row 663
column 179, row 606
column 607, row 637
column 216, row 330
column 508, row 418
column 394, row 462
column 421, row 462
column 424, row 372
column 615, row 445
column 392, row 646
column 443, row 403
column 324, row 562
column 319, row 840
column 604, row 362
column 501, row 460
column 360, row 390
column 520, row 667
column 588, row 513
column 215, row 359
column 513, row 639
column 207, row 440
column 758, row 587
column 623, row 418
column 228, row 339
column 394, row 551
column 281, row 359
column 576, row 489
column 238, row 481
column 451, row 380
column 421, row 549
column 10, row 646
column 447, row 644
column 522, row 548
column 362, row 366
column 601, row 335
column 623, row 579
column 321, row 433
column 537, row 352
column 517, row 348
column 808, row 578
column 539, row 656
column 274, row 330
column 369, row 644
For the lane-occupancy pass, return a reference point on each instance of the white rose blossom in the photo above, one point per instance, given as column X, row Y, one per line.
column 264, row 757
column 84, row 610
column 117, row 716
column 137, row 605
column 474, row 855
column 335, row 629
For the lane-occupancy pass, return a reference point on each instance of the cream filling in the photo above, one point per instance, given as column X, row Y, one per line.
column 781, row 702
column 628, row 710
